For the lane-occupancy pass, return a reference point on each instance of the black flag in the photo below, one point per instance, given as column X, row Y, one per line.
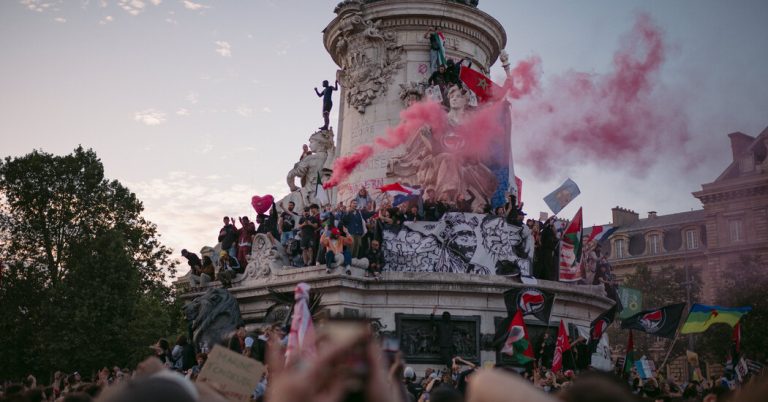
column 530, row 301
column 661, row 322
column 600, row 324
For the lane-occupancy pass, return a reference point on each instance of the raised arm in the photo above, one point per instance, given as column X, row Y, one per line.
column 319, row 94
column 336, row 86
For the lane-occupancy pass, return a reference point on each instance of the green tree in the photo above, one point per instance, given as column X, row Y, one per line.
column 82, row 268
column 743, row 283
column 660, row 288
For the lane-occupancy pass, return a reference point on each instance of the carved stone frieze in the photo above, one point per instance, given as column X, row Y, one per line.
column 267, row 256
column 411, row 93
column 369, row 57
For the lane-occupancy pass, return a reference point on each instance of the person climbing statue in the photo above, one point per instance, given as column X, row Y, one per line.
column 326, row 94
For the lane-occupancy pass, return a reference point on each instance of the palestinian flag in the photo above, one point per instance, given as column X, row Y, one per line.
column 570, row 250
column 439, row 38
column 629, row 358
column 561, row 345
column 481, row 85
column 702, row 316
column 598, row 327
column 320, row 194
column 661, row 322
column 517, row 344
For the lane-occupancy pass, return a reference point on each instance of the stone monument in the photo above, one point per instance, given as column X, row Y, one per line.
column 383, row 61
column 383, row 56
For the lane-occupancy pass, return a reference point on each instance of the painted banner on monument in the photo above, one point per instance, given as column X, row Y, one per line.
column 460, row 243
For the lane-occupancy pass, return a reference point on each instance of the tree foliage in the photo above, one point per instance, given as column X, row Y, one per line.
column 742, row 283
column 660, row 288
column 83, row 283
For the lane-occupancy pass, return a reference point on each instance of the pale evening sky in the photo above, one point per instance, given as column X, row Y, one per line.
column 198, row 105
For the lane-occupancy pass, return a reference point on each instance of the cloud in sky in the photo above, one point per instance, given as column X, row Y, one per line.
column 39, row 5
column 150, row 117
column 192, row 97
column 182, row 112
column 223, row 48
column 192, row 6
column 60, row 19
column 244, row 110
column 188, row 208
column 106, row 20
column 132, row 7
column 266, row 109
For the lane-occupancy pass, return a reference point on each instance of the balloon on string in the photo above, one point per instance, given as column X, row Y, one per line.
column 262, row 204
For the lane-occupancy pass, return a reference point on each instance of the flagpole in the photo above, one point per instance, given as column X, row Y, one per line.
column 669, row 351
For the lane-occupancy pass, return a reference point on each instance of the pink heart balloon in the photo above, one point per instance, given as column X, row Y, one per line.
column 262, row 204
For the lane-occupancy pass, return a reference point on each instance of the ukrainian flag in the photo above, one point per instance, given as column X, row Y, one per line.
column 702, row 316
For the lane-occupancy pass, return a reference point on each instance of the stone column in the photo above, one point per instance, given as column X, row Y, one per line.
column 381, row 51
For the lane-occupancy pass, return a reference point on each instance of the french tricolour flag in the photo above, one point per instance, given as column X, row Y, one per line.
column 400, row 193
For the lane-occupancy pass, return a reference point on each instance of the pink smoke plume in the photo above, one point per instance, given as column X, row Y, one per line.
column 411, row 120
column 344, row 166
column 484, row 127
column 623, row 118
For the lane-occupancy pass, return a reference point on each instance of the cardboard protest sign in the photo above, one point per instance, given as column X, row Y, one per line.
column 232, row 374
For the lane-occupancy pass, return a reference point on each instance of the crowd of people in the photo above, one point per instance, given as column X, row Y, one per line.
column 336, row 236
column 362, row 367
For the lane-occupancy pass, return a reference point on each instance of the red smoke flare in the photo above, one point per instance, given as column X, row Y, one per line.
column 344, row 166
column 621, row 119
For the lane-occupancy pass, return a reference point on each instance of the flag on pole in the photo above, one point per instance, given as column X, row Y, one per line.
column 600, row 232
column 570, row 250
column 478, row 83
column 400, row 193
column 601, row 357
column 562, row 196
column 301, row 339
column 517, row 345
column 631, row 301
column 661, row 322
column 702, row 316
column 320, row 194
column 629, row 357
column 599, row 325
column 530, row 301
column 645, row 368
column 562, row 345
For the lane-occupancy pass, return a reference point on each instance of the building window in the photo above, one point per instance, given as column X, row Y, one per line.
column 691, row 240
column 654, row 244
column 736, row 230
column 619, row 246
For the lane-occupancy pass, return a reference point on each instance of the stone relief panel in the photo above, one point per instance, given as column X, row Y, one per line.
column 369, row 56
column 420, row 337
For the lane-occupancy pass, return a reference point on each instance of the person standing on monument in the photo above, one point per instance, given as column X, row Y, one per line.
column 228, row 237
column 327, row 95
column 436, row 52
column 307, row 226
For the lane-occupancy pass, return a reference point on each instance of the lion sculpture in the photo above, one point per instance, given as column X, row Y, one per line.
column 212, row 316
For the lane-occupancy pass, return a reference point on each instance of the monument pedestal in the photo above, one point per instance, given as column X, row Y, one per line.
column 400, row 304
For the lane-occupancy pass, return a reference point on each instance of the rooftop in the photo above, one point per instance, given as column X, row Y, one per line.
column 676, row 219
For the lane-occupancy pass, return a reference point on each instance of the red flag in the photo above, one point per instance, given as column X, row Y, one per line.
column 561, row 346
column 481, row 85
column 736, row 337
